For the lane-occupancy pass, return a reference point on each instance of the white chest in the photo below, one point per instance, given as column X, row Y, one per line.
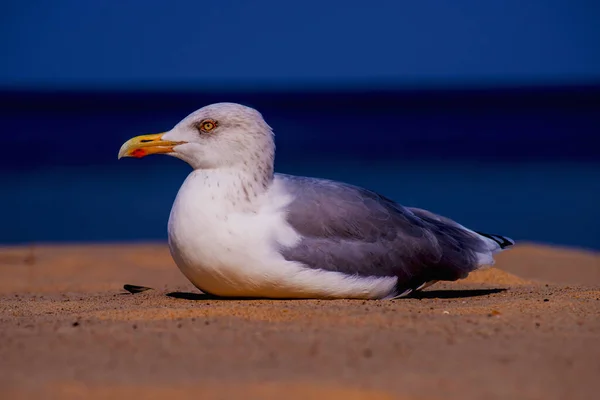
column 224, row 249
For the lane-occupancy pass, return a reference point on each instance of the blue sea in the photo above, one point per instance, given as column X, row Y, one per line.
column 524, row 167
column 553, row 203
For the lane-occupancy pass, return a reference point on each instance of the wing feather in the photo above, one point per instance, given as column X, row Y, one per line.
column 355, row 231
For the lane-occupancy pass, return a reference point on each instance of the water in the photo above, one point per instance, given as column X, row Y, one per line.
column 521, row 163
column 554, row 203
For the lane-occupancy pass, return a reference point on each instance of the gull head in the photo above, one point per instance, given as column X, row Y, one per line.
column 221, row 135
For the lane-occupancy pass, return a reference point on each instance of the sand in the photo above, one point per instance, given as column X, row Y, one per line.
column 527, row 329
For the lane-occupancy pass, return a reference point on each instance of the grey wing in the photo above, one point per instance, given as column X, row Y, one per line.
column 359, row 232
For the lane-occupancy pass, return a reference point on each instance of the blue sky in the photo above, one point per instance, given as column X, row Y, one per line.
column 196, row 44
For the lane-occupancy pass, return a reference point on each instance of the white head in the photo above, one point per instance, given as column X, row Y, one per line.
column 221, row 135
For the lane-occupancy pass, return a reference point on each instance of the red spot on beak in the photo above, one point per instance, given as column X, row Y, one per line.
column 138, row 153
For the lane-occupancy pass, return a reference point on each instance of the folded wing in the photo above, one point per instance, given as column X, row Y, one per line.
column 355, row 231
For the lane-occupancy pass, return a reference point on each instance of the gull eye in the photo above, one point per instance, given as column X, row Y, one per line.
column 207, row 125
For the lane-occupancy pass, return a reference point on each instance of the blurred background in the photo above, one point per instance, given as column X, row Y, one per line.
column 485, row 111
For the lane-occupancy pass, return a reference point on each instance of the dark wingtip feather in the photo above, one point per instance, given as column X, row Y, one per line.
column 502, row 241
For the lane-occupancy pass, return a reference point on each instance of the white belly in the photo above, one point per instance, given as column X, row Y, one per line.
column 233, row 252
column 221, row 255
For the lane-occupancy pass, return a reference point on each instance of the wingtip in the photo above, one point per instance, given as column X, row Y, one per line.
column 503, row 241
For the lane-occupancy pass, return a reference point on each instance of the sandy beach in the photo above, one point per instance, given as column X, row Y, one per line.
column 529, row 328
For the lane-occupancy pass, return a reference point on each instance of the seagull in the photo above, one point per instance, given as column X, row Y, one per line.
column 238, row 229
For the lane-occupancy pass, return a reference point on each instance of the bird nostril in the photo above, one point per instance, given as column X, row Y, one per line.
column 146, row 140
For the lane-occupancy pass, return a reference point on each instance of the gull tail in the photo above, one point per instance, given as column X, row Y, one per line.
column 495, row 244
column 502, row 241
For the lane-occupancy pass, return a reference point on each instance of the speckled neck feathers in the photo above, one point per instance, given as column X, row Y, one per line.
column 240, row 184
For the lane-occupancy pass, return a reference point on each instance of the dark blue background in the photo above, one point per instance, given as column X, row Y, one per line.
column 200, row 43
column 487, row 112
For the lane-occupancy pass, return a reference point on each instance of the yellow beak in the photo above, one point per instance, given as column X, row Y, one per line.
column 141, row 146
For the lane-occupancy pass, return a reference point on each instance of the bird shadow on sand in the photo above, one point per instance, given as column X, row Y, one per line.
column 432, row 294
column 135, row 289
column 191, row 296
column 204, row 296
column 454, row 294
